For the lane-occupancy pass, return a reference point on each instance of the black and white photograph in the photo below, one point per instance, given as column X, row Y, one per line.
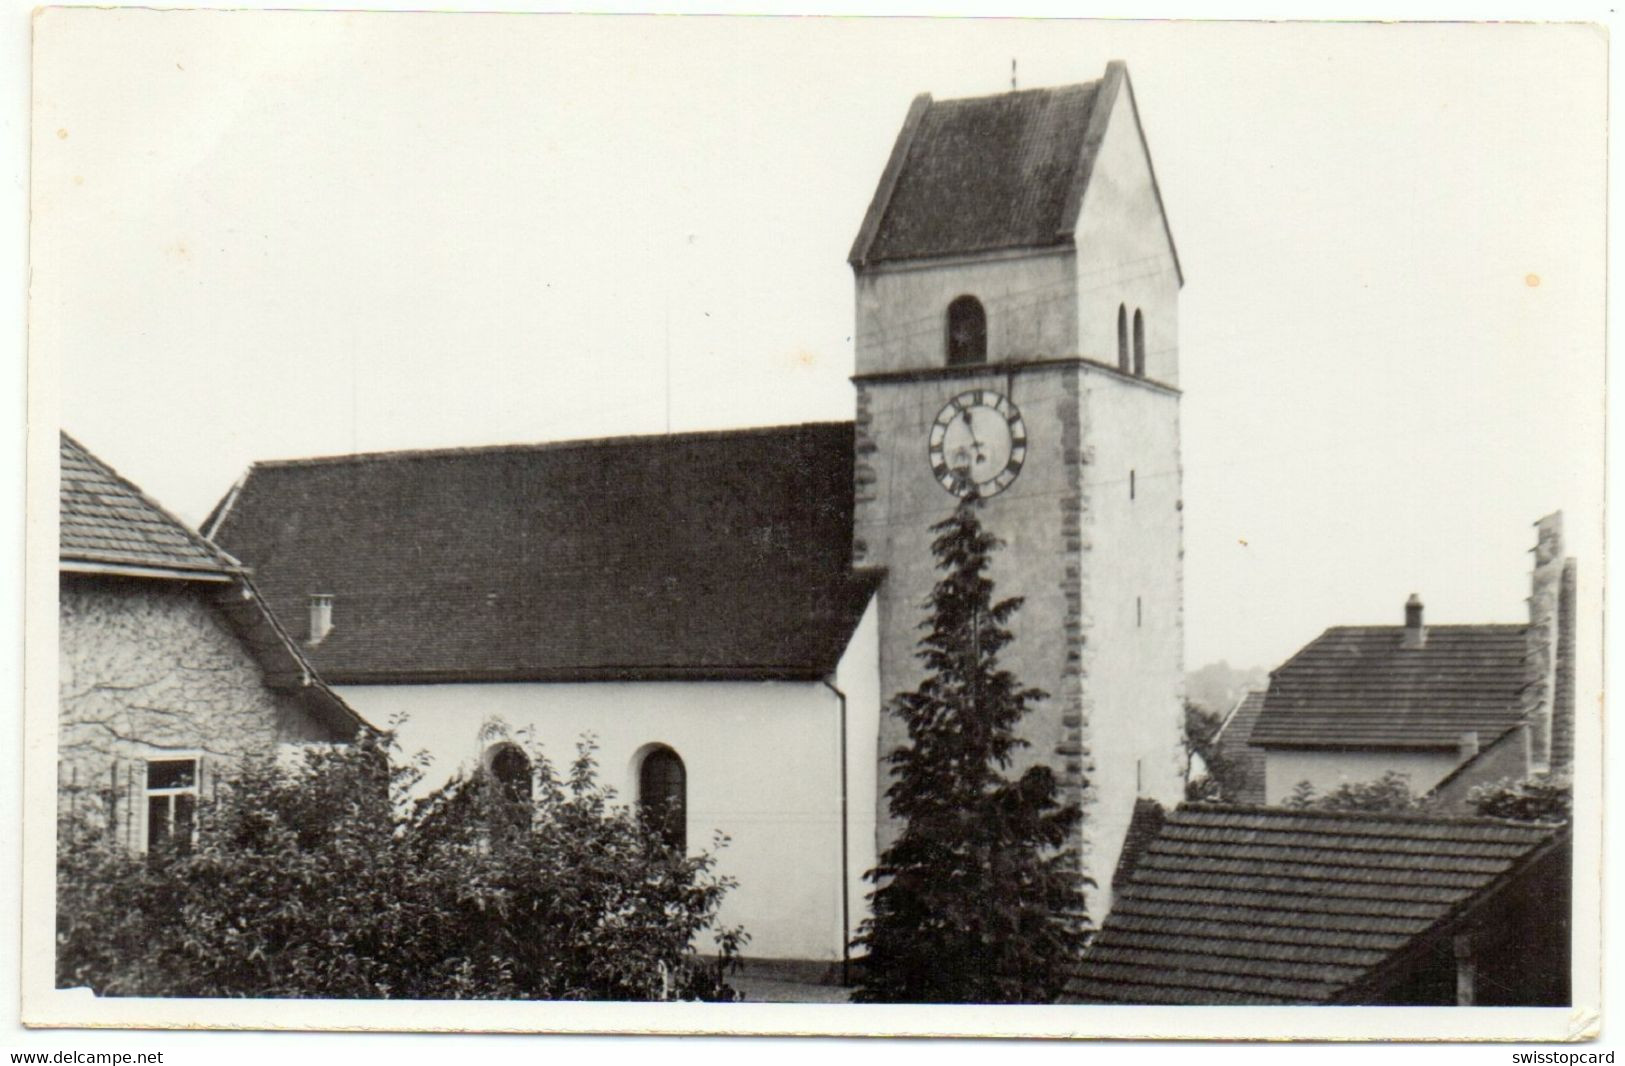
column 709, row 524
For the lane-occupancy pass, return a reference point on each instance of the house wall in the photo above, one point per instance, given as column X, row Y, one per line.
column 1327, row 770
column 148, row 668
column 1508, row 759
column 762, row 761
column 1124, row 255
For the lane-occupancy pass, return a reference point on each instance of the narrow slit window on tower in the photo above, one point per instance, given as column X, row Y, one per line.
column 1122, row 339
column 1131, row 484
column 967, row 332
column 1139, row 611
column 1139, row 344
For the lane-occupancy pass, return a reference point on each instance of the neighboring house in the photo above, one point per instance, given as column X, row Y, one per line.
column 726, row 611
column 1241, row 764
column 171, row 665
column 1263, row 905
column 1456, row 705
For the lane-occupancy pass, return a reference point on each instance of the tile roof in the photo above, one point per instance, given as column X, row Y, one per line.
column 110, row 526
column 1244, row 761
column 1234, row 905
column 1358, row 686
column 109, row 523
column 986, row 173
column 697, row 555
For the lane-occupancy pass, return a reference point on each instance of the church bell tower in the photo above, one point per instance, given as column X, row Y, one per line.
column 1017, row 322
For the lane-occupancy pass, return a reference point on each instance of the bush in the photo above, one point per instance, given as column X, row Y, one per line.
column 1201, row 732
column 322, row 880
column 1534, row 799
column 1390, row 792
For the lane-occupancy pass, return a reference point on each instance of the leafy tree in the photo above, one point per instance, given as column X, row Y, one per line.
column 1303, row 795
column 323, row 880
column 1540, row 798
column 1390, row 792
column 979, row 900
column 1200, row 737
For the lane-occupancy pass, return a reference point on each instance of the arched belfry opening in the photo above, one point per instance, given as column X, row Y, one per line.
column 967, row 332
column 663, row 795
column 1139, row 344
column 1123, row 363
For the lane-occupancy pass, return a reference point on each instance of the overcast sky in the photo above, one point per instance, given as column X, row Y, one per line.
column 267, row 235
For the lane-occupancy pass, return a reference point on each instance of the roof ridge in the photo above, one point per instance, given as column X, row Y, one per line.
column 1431, row 627
column 541, row 446
column 1408, row 817
column 1007, row 93
column 227, row 562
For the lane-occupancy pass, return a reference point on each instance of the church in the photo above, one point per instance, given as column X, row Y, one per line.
column 726, row 613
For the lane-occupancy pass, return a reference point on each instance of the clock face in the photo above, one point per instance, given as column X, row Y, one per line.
column 978, row 442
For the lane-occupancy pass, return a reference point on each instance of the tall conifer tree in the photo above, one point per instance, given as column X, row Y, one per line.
column 979, row 900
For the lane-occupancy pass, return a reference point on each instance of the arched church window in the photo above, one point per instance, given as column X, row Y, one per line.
column 967, row 332
column 1122, row 339
column 663, row 795
column 1139, row 344
column 509, row 767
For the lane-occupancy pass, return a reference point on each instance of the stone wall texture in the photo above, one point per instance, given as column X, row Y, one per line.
column 149, row 669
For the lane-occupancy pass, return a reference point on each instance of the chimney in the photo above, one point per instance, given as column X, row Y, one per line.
column 1542, row 639
column 1415, row 632
column 321, row 617
column 1562, row 739
column 1467, row 746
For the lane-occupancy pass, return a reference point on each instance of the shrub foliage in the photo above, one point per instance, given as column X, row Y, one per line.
column 1540, row 798
column 1390, row 792
column 1213, row 784
column 979, row 900
column 323, row 880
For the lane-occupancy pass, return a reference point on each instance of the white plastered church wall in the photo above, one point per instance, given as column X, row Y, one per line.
column 762, row 761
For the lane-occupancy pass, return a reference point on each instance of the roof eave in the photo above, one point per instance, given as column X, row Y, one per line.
column 1061, row 242
column 1335, row 745
column 1421, row 944
column 859, row 255
column 110, row 568
column 577, row 675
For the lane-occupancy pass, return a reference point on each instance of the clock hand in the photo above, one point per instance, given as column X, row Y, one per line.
column 970, row 424
column 976, row 442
